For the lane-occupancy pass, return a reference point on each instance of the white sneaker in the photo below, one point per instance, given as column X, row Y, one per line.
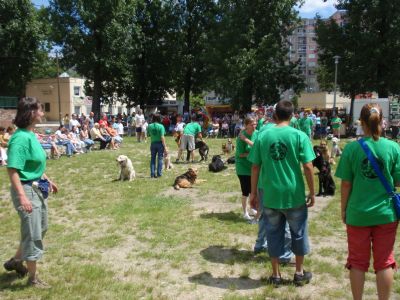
column 253, row 212
column 247, row 217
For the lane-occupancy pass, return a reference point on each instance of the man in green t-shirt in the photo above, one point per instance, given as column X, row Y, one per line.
column 305, row 124
column 188, row 139
column 336, row 122
column 158, row 146
column 277, row 155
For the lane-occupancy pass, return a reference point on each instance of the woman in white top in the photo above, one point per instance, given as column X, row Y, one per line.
column 178, row 131
column 139, row 120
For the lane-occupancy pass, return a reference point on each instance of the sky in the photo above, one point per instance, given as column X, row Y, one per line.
column 308, row 10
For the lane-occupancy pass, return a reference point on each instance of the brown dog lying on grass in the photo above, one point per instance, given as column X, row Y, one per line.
column 186, row 180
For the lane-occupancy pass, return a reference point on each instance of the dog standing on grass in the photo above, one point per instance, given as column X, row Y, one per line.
column 167, row 162
column 228, row 147
column 126, row 168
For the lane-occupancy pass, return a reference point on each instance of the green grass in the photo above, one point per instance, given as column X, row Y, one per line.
column 129, row 240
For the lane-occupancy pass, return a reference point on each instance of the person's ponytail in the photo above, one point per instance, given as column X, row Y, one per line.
column 371, row 118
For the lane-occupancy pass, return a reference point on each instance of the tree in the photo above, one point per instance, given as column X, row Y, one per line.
column 250, row 57
column 195, row 20
column 20, row 40
column 370, row 39
column 95, row 37
column 150, row 65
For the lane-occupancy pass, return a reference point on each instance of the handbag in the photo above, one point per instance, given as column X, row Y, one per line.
column 391, row 191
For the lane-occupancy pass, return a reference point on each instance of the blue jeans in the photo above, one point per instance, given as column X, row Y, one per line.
column 88, row 143
column 156, row 149
column 276, row 220
column 262, row 243
column 69, row 148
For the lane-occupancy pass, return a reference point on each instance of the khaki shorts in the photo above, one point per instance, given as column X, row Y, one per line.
column 33, row 225
column 187, row 141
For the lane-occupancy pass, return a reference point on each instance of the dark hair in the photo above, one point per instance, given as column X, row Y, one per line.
column 26, row 106
column 371, row 118
column 248, row 120
column 156, row 118
column 284, row 110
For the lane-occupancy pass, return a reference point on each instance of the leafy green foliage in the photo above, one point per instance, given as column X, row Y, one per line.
column 20, row 41
column 250, row 57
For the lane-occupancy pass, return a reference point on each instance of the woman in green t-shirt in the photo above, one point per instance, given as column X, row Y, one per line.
column 367, row 209
column 244, row 142
column 336, row 123
column 26, row 166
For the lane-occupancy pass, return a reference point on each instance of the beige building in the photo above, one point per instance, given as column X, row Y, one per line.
column 72, row 97
column 322, row 100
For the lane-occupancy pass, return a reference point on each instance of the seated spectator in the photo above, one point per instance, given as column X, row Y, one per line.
column 62, row 139
column 97, row 135
column 75, row 139
column 74, row 122
column 3, row 147
column 116, row 139
column 48, row 142
column 214, row 128
column 84, row 136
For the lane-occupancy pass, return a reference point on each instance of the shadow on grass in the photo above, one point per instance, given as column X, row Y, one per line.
column 219, row 254
column 229, row 216
column 6, row 280
column 235, row 283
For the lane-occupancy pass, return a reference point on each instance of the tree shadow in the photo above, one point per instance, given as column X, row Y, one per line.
column 229, row 216
column 237, row 283
column 6, row 280
column 219, row 254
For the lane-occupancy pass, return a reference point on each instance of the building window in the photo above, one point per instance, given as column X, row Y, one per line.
column 47, row 107
column 311, row 55
column 77, row 90
column 77, row 110
column 311, row 64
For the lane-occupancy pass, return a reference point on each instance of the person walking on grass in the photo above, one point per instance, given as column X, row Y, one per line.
column 305, row 124
column 26, row 166
column 157, row 146
column 190, row 131
column 244, row 142
column 277, row 155
column 366, row 207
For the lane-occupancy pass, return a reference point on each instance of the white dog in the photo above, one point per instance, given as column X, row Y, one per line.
column 126, row 172
column 167, row 162
column 335, row 148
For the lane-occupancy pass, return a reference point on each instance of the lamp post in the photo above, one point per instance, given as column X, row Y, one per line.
column 58, row 88
column 336, row 58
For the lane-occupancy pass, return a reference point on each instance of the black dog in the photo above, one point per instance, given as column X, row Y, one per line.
column 326, row 183
column 203, row 150
column 216, row 165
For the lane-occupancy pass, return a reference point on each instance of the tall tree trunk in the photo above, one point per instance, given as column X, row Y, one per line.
column 353, row 97
column 187, row 88
column 96, row 94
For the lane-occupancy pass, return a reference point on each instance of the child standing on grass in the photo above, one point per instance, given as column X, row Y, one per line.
column 367, row 209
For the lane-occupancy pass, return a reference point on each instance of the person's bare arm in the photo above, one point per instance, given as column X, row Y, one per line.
column 308, row 172
column 255, row 173
column 345, row 192
column 15, row 180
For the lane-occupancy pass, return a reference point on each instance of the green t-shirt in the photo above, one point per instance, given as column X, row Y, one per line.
column 26, row 155
column 279, row 152
column 335, row 122
column 260, row 123
column 156, row 131
column 192, row 128
column 294, row 122
column 368, row 203
column 243, row 165
column 251, row 154
column 305, row 125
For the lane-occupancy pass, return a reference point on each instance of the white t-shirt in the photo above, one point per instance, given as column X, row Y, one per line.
column 120, row 129
column 144, row 126
column 139, row 119
column 179, row 127
column 73, row 122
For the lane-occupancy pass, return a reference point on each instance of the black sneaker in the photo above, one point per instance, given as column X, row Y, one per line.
column 301, row 280
column 275, row 281
column 17, row 266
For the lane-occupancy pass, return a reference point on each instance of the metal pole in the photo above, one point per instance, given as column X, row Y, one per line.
column 58, row 88
column 336, row 57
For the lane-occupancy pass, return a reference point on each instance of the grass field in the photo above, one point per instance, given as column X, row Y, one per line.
column 144, row 240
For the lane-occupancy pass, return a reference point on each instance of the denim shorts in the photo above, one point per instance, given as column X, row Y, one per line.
column 275, row 228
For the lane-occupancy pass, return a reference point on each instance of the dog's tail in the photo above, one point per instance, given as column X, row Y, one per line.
column 177, row 187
